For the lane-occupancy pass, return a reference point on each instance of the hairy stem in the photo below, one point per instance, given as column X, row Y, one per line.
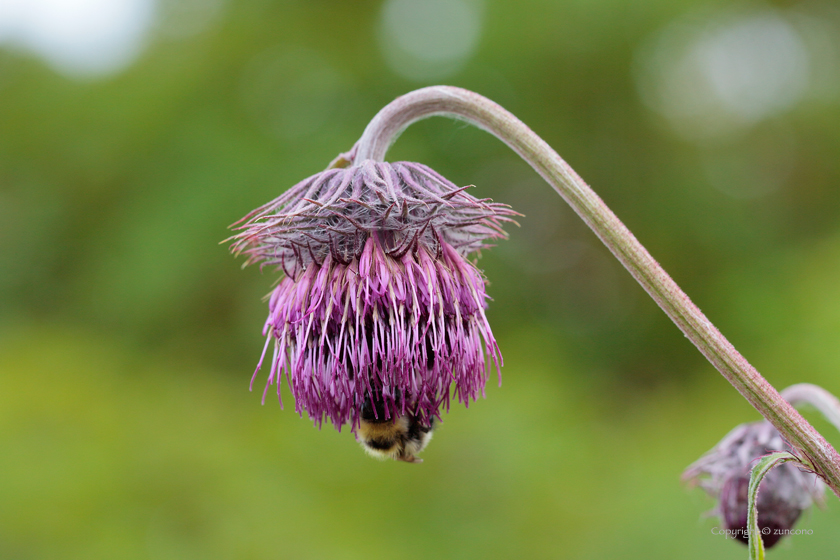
column 387, row 125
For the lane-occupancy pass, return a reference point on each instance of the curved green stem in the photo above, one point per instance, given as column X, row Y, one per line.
column 480, row 111
column 757, row 474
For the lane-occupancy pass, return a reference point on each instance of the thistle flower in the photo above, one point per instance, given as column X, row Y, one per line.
column 379, row 302
column 785, row 492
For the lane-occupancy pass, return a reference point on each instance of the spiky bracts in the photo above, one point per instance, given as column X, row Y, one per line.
column 379, row 302
column 333, row 212
column 724, row 472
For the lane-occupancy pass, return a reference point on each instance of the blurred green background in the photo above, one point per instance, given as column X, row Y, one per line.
column 128, row 334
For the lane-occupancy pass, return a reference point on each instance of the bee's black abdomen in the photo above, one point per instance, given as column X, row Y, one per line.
column 381, row 444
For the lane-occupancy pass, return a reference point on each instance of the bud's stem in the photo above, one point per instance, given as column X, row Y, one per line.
column 819, row 398
column 480, row 111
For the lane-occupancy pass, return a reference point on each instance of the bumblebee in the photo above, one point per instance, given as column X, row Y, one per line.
column 398, row 437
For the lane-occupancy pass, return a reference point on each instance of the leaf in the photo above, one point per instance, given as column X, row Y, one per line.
column 764, row 465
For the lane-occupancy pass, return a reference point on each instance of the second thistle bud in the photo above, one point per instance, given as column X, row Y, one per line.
column 724, row 472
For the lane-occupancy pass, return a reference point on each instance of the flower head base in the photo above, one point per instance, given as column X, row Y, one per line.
column 379, row 303
column 785, row 492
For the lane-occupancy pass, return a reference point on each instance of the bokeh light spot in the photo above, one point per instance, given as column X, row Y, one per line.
column 756, row 66
column 715, row 75
column 429, row 39
column 79, row 38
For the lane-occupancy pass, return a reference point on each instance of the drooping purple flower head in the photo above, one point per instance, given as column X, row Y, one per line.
column 379, row 302
column 784, row 493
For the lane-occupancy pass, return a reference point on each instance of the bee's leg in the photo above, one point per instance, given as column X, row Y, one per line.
column 409, row 458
